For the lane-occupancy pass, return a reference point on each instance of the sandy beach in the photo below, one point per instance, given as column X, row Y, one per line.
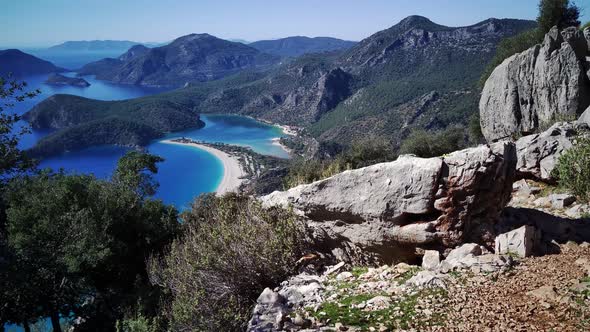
column 277, row 141
column 232, row 170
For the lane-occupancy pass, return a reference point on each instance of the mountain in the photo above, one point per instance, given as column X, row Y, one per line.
column 195, row 57
column 299, row 45
column 94, row 122
column 414, row 75
column 94, row 45
column 107, row 66
column 22, row 64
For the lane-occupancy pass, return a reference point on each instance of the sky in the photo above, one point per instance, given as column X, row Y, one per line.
column 41, row 23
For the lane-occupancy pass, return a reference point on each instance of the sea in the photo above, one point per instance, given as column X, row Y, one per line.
column 186, row 171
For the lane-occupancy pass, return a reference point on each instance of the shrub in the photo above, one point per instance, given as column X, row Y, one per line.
column 573, row 169
column 231, row 249
column 139, row 323
column 359, row 154
column 432, row 144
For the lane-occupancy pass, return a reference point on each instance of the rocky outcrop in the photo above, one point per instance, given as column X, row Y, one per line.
column 387, row 210
column 544, row 83
column 190, row 58
column 520, row 241
column 539, row 153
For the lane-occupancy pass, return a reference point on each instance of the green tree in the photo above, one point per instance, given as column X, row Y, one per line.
column 560, row 13
column 86, row 241
column 231, row 249
column 12, row 160
column 15, row 306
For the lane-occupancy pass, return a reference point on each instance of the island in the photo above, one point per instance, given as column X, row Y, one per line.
column 59, row 79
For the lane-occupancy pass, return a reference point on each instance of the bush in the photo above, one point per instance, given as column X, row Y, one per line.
column 231, row 249
column 139, row 323
column 573, row 169
column 433, row 144
column 360, row 154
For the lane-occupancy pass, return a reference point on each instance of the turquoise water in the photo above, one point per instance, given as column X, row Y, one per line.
column 186, row 172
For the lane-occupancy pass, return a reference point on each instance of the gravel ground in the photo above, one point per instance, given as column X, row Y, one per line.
column 501, row 302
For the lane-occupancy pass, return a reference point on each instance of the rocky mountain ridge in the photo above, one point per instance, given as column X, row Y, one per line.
column 299, row 45
column 194, row 57
column 377, row 88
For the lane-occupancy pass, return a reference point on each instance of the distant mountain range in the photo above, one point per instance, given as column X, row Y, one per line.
column 195, row 57
column 298, row 45
column 21, row 64
column 97, row 45
column 416, row 74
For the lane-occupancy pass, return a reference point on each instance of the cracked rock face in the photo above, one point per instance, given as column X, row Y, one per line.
column 538, row 154
column 546, row 82
column 387, row 210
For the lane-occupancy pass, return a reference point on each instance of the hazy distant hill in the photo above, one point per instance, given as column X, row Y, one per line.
column 195, row 57
column 416, row 74
column 94, row 45
column 298, row 45
column 21, row 64
column 108, row 66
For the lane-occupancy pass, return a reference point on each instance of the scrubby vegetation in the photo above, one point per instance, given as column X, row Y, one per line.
column 74, row 246
column 424, row 144
column 231, row 249
column 572, row 169
column 560, row 13
column 78, row 245
column 360, row 154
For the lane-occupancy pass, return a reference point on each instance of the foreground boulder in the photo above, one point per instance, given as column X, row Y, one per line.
column 538, row 153
column 544, row 83
column 386, row 211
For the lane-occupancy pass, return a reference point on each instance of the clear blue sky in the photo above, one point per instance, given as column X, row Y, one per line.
column 26, row 23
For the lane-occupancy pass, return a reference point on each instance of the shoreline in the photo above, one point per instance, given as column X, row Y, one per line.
column 232, row 169
column 277, row 142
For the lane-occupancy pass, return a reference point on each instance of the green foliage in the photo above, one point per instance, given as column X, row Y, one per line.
column 587, row 25
column 139, row 323
column 231, row 249
column 401, row 314
column 360, row 154
column 573, row 169
column 13, row 159
column 109, row 131
column 134, row 170
column 74, row 237
column 433, row 144
column 560, row 13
